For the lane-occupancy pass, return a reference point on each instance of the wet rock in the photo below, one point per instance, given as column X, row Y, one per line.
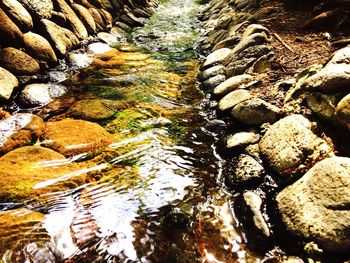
column 255, row 111
column 62, row 38
column 85, row 16
column 96, row 109
column 16, row 226
column 19, row 130
column 39, row 47
column 107, row 38
column 18, row 62
column 10, row 34
column 99, row 48
column 39, row 8
column 72, row 137
column 233, row 98
column 119, row 33
column 57, row 76
column 343, row 111
column 80, row 60
column 322, row 105
column 334, row 77
column 215, row 126
column 18, row 14
column 254, row 203
column 100, row 25
column 242, row 169
column 212, row 82
column 8, row 82
column 316, row 207
column 50, row 168
column 291, row 147
column 216, row 58
column 253, row 29
column 241, row 139
column 176, row 220
column 74, row 22
column 39, row 94
column 232, row 84
column 211, row 72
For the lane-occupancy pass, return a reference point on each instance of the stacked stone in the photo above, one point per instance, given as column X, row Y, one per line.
column 34, row 34
column 271, row 139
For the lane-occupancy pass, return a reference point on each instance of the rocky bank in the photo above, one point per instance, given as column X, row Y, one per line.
column 281, row 116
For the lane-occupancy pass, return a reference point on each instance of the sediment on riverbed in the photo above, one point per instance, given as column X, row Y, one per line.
column 276, row 79
column 36, row 35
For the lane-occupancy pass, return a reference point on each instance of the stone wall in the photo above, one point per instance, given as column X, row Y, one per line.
column 35, row 34
column 282, row 121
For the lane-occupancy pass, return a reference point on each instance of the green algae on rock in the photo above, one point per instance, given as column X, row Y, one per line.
column 24, row 170
column 96, row 109
column 72, row 137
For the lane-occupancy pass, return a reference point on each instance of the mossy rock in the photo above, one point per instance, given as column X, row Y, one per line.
column 72, row 137
column 19, row 130
column 30, row 171
column 96, row 109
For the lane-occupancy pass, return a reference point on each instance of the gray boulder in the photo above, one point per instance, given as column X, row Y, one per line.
column 290, row 146
column 232, row 84
column 334, row 77
column 216, row 58
column 241, row 139
column 255, row 111
column 242, row 169
column 316, row 207
column 233, row 98
column 211, row 72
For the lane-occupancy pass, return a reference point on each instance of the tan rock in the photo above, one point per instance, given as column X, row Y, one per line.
column 41, row 8
column 39, row 47
column 343, row 111
column 18, row 62
column 233, row 98
column 232, row 84
column 10, row 34
column 61, row 38
column 85, row 17
column 100, row 25
column 18, row 14
column 8, row 82
column 76, row 25
column 32, row 170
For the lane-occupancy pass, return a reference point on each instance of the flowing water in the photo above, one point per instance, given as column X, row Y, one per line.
column 153, row 194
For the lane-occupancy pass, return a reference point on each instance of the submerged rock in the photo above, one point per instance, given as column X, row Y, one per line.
column 8, row 82
column 96, row 109
column 72, row 137
column 19, row 130
column 255, row 111
column 32, row 170
column 80, row 60
column 290, row 145
column 316, row 207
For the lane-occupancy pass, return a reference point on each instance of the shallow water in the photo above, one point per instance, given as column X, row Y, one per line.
column 154, row 194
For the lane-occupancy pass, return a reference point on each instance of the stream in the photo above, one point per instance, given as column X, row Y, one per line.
column 154, row 193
